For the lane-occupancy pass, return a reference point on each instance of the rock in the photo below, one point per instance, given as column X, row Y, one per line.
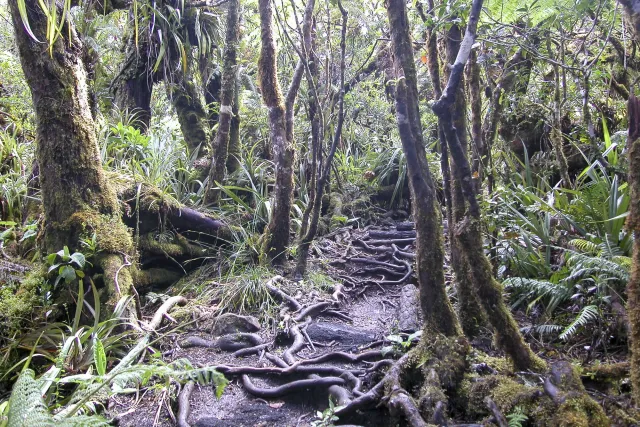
column 340, row 333
column 232, row 323
column 408, row 309
column 250, row 415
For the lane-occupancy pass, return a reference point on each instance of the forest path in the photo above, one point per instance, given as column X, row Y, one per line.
column 325, row 342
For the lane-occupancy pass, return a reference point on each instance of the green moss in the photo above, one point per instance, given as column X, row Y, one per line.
column 446, row 356
column 18, row 302
column 500, row 364
column 580, row 411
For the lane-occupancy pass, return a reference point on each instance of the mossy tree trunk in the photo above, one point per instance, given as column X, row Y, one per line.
column 468, row 230
column 185, row 97
column 133, row 85
column 633, row 224
column 276, row 237
column 438, row 313
column 632, row 10
column 229, row 77
column 76, row 196
column 469, row 311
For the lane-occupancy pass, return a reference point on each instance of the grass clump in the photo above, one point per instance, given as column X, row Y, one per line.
column 245, row 291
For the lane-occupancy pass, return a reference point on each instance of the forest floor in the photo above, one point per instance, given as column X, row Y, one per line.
column 345, row 332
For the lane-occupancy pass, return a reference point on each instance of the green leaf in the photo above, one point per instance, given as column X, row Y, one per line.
column 79, row 259
column 99, row 356
column 22, row 8
column 395, row 338
column 51, row 258
column 68, row 273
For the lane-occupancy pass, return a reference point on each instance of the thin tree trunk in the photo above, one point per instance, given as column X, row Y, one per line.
column 469, row 231
column 436, row 307
column 229, row 76
column 325, row 172
column 469, row 311
column 556, row 130
column 76, row 196
column 315, row 118
column 233, row 159
column 276, row 237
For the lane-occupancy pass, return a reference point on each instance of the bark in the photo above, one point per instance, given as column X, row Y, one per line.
column 76, row 196
column 436, row 307
column 633, row 224
column 276, row 237
column 229, row 76
column 133, row 85
column 469, row 232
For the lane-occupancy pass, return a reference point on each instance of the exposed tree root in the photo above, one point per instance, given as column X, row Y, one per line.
column 230, row 342
column 163, row 311
column 294, row 386
column 184, row 408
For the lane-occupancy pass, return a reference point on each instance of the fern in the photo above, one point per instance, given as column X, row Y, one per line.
column 27, row 409
column 517, row 418
column 584, row 266
column 587, row 315
column 542, row 329
column 532, row 289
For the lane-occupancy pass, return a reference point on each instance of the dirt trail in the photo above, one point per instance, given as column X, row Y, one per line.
column 328, row 343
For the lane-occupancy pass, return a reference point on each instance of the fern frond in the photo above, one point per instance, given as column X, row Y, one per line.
column 583, row 266
column 535, row 289
column 587, row 315
column 542, row 329
column 586, row 246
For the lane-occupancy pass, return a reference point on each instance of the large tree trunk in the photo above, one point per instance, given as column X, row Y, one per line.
column 276, row 237
column 77, row 198
column 633, row 224
column 229, row 76
column 436, row 307
column 632, row 9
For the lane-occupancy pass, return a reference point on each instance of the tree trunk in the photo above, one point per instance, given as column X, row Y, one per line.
column 133, row 85
column 469, row 232
column 229, row 76
column 76, row 196
column 436, row 307
column 192, row 115
column 633, row 224
column 276, row 237
column 469, row 311
column 233, row 159
column 307, row 235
